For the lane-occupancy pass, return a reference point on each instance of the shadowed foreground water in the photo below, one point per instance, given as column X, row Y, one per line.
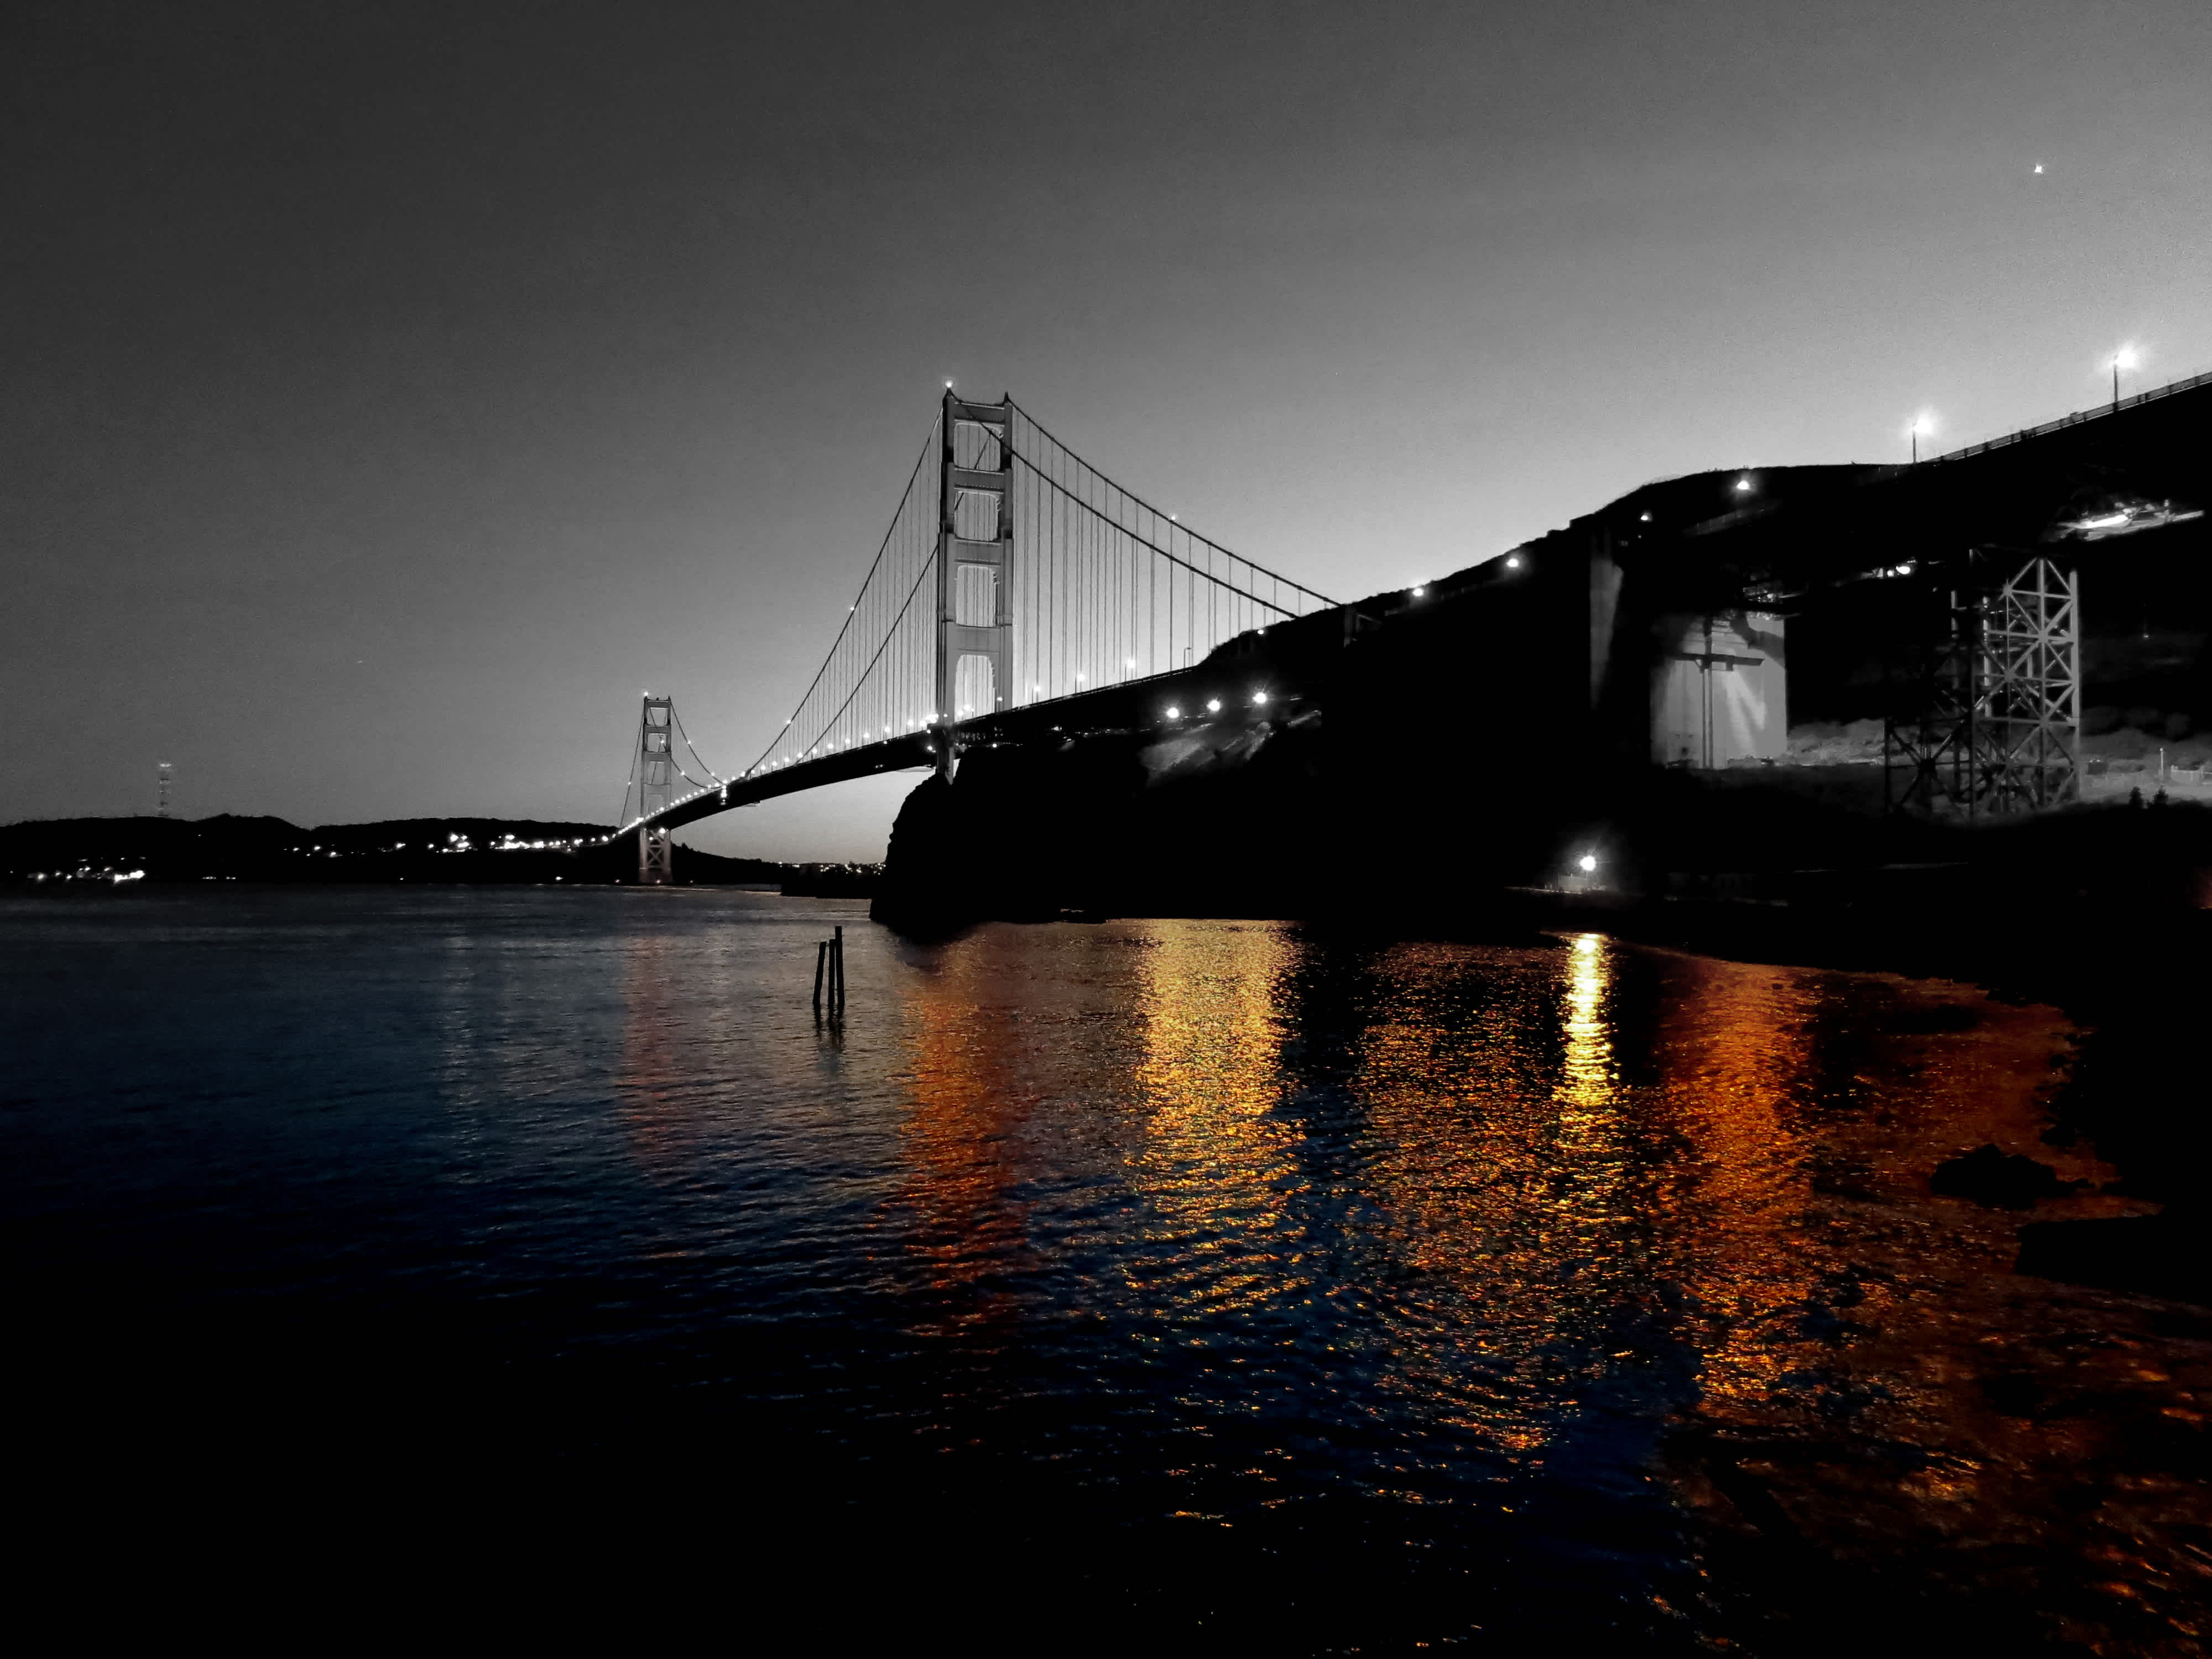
column 1201, row 1284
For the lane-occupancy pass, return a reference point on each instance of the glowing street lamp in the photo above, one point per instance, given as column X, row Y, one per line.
column 1924, row 425
column 2126, row 357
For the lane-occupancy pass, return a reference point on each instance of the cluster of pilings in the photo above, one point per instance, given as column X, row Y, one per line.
column 829, row 976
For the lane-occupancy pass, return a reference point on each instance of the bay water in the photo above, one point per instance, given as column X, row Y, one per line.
column 1196, row 1283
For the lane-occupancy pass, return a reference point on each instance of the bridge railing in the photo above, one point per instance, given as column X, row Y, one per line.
column 2080, row 416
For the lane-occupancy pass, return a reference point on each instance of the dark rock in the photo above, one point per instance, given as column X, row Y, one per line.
column 2168, row 1256
column 1998, row 1181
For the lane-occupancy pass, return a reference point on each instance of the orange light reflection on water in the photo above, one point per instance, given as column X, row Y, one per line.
column 1512, row 1190
column 1212, row 1166
column 1511, row 1133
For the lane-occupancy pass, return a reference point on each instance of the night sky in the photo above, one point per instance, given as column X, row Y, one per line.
column 392, row 393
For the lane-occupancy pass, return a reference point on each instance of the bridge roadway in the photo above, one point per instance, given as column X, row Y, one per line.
column 1130, row 706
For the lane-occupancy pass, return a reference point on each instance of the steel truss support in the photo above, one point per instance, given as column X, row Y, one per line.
column 1993, row 721
column 975, row 567
column 656, row 787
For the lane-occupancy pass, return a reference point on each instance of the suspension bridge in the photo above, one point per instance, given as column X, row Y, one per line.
column 1017, row 593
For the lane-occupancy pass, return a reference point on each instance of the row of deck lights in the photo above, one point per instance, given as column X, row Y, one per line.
column 1174, row 711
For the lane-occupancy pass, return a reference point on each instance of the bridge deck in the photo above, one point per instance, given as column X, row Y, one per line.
column 1131, row 704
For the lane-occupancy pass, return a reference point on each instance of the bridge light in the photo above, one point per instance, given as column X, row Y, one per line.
column 2126, row 357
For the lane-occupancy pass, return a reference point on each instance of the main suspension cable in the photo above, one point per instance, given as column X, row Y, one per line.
column 853, row 610
column 1051, row 437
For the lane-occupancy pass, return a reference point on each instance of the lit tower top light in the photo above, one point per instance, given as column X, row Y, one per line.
column 1924, row 425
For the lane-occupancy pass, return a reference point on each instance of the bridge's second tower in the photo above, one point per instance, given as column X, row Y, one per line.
column 975, row 566
column 656, row 786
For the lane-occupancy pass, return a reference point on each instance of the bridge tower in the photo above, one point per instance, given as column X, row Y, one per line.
column 656, row 786
column 975, row 566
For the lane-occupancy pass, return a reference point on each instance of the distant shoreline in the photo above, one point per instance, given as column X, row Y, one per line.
column 61, row 853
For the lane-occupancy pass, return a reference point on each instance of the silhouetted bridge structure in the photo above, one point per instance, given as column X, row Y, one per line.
column 1020, row 600
column 1018, row 591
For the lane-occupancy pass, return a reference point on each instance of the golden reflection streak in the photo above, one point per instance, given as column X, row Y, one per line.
column 1507, row 1177
column 1148, row 1059
column 1732, row 1053
column 970, row 1099
column 1213, row 1164
column 1586, row 1084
